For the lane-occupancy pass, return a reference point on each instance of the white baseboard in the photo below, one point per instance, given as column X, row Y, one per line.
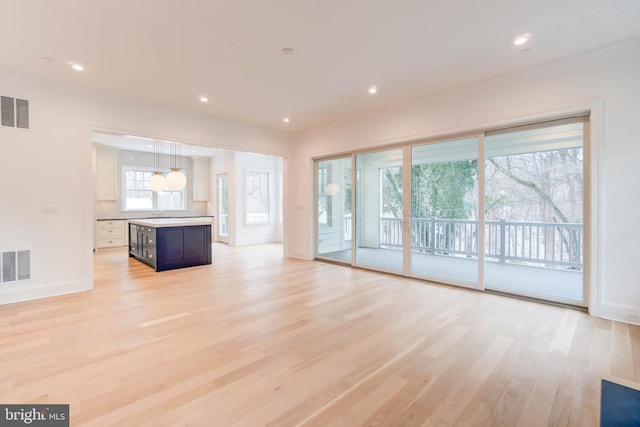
column 21, row 291
column 299, row 255
column 259, row 241
column 620, row 312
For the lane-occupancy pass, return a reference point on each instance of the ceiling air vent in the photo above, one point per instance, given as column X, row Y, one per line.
column 15, row 112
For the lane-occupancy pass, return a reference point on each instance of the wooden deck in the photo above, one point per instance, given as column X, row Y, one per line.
column 547, row 283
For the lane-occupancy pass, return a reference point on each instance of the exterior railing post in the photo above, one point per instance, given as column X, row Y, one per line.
column 525, row 246
column 503, row 239
column 432, row 234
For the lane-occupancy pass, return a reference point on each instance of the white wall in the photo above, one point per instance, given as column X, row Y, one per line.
column 605, row 80
column 50, row 166
column 235, row 164
column 257, row 233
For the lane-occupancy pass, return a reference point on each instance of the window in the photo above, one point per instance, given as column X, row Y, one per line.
column 257, row 197
column 137, row 196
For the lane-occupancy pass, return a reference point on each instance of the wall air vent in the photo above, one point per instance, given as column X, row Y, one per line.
column 15, row 265
column 15, row 112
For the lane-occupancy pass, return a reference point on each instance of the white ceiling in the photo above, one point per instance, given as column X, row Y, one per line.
column 147, row 145
column 170, row 52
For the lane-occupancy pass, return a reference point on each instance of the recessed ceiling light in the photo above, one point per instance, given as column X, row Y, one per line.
column 193, row 151
column 522, row 39
column 149, row 146
column 77, row 67
column 204, row 99
column 287, row 51
column 373, row 90
column 286, row 120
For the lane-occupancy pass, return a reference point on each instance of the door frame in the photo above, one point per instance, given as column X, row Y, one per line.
column 222, row 238
column 591, row 195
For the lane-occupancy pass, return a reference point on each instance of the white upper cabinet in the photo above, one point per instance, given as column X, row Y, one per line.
column 201, row 179
column 106, row 180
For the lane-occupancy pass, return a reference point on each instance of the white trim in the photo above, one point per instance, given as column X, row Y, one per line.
column 593, row 209
column 481, row 207
column 253, row 241
column 17, row 292
column 407, row 188
column 619, row 312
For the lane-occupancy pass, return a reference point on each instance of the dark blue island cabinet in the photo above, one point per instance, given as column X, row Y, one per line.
column 167, row 244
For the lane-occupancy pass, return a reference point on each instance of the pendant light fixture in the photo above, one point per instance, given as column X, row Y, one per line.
column 176, row 180
column 157, row 182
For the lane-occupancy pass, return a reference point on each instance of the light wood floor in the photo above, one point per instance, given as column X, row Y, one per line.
column 256, row 340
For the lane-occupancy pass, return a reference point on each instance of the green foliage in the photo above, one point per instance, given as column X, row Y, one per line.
column 439, row 189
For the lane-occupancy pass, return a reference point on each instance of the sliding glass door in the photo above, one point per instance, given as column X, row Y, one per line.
column 499, row 210
column 380, row 219
column 534, row 211
column 333, row 197
column 444, row 211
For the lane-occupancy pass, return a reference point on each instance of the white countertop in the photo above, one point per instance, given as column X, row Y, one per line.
column 170, row 222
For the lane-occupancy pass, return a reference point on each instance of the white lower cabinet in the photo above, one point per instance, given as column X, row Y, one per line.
column 110, row 234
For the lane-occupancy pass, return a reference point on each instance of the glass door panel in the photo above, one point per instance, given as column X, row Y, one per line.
column 334, row 222
column 379, row 210
column 223, row 208
column 444, row 211
column 534, row 212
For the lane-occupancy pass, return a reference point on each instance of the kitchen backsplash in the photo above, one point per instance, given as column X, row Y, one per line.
column 113, row 210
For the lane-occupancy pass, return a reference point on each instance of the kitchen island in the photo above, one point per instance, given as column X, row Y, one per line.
column 170, row 243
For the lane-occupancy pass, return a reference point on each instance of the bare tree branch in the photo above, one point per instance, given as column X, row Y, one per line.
column 533, row 187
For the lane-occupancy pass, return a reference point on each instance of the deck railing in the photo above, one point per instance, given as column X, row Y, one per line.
column 552, row 244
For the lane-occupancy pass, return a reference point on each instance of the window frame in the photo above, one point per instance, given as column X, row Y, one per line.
column 266, row 200
column 154, row 196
